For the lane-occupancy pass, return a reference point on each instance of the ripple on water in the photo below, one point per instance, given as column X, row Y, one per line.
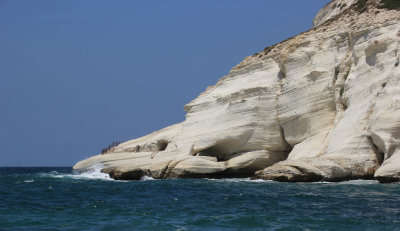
column 57, row 199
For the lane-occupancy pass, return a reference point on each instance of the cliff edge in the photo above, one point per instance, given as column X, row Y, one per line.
column 324, row 105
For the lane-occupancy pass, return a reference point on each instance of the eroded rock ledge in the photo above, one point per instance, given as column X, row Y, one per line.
column 324, row 105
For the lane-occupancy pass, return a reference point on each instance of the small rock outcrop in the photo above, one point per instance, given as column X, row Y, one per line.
column 324, row 105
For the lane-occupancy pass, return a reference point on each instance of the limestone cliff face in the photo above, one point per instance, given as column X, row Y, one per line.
column 331, row 10
column 324, row 105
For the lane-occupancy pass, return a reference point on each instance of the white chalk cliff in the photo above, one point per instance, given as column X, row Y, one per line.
column 324, row 105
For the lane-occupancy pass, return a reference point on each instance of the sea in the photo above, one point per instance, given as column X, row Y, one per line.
column 55, row 198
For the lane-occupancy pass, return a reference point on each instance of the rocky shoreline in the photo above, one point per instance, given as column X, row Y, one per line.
column 321, row 106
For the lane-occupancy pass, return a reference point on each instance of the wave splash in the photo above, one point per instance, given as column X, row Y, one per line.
column 92, row 173
column 146, row 178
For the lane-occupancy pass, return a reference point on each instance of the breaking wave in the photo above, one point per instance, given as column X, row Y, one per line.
column 92, row 173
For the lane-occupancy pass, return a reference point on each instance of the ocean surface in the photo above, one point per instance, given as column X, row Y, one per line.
column 58, row 199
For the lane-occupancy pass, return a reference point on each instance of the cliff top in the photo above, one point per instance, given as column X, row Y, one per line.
column 338, row 16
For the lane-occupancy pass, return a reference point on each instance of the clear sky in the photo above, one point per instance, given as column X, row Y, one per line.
column 77, row 75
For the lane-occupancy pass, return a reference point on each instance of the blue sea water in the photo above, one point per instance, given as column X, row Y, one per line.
column 58, row 199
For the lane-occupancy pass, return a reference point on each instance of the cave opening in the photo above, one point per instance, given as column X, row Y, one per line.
column 162, row 145
column 212, row 152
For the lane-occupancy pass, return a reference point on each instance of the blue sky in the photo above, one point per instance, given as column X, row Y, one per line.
column 77, row 75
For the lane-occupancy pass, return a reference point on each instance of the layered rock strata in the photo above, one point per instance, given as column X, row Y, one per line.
column 324, row 105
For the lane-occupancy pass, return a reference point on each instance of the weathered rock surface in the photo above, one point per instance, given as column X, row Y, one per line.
column 332, row 9
column 385, row 130
column 324, row 105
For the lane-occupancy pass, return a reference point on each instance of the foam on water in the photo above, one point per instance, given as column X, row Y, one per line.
column 146, row 178
column 322, row 182
column 92, row 173
column 359, row 182
column 349, row 182
column 240, row 180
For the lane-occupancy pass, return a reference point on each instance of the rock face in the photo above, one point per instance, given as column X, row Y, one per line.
column 331, row 10
column 324, row 105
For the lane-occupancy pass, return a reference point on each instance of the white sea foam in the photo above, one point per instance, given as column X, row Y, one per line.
column 240, row 180
column 351, row 182
column 92, row 173
column 28, row 181
column 322, row 182
column 359, row 182
column 145, row 178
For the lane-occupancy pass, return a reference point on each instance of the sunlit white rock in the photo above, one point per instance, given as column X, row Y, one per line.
column 323, row 105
